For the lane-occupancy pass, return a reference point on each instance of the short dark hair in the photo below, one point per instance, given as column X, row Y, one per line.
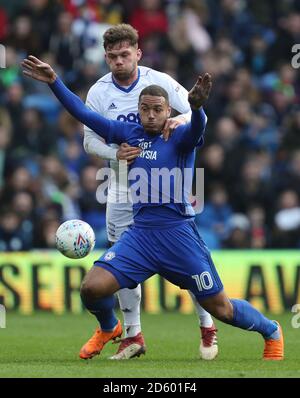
column 120, row 33
column 156, row 91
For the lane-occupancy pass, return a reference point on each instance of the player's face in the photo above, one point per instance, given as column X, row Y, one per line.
column 154, row 111
column 122, row 60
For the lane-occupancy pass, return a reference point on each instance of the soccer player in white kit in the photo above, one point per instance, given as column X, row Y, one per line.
column 115, row 96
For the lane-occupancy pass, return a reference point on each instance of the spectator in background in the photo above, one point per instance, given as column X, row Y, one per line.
column 268, row 12
column 6, row 160
column 3, row 24
column 108, row 11
column 286, row 233
column 234, row 20
column 19, row 179
column 149, row 18
column 256, row 54
column 288, row 177
column 14, row 105
column 5, row 120
column 212, row 160
column 227, row 133
column 38, row 137
column 12, row 237
column 43, row 16
column 91, row 210
column 46, row 229
column 73, row 157
column 262, row 133
column 69, row 127
column 23, row 206
column 64, row 44
column 288, row 33
column 251, row 187
column 91, row 19
column 58, row 191
column 259, row 234
column 221, row 165
column 239, row 87
column 53, row 178
column 239, row 232
column 189, row 28
column 71, row 209
column 213, row 221
column 241, row 112
column 228, row 136
column 24, row 37
column 252, row 143
column 69, row 145
column 291, row 130
column 189, row 38
column 88, row 73
column 281, row 89
column 153, row 55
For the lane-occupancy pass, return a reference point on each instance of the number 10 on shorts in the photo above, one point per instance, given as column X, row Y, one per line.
column 203, row 281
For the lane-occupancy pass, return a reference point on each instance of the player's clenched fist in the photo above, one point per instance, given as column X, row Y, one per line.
column 200, row 92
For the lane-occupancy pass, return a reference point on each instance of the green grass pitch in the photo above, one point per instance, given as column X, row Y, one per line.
column 46, row 345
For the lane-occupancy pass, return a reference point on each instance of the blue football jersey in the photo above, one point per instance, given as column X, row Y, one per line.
column 162, row 175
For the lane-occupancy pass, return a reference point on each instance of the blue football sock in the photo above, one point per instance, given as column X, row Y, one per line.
column 247, row 317
column 275, row 335
column 103, row 309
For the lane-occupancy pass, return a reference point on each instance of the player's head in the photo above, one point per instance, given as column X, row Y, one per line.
column 154, row 108
column 121, row 51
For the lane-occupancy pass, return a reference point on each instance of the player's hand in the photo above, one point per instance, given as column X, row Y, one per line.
column 200, row 92
column 38, row 70
column 171, row 125
column 127, row 152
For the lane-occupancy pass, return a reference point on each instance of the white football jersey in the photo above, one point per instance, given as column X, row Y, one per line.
column 118, row 103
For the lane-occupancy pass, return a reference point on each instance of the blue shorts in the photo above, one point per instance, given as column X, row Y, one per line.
column 176, row 253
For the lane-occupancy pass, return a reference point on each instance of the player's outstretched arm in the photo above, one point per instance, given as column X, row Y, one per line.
column 94, row 145
column 38, row 70
column 199, row 94
column 191, row 135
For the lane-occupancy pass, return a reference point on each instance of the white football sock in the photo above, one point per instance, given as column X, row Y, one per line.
column 130, row 300
column 205, row 318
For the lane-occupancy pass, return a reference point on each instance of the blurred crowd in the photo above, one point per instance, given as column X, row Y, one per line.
column 251, row 155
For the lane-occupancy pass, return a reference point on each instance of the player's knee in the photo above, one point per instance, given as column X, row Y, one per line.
column 85, row 291
column 89, row 291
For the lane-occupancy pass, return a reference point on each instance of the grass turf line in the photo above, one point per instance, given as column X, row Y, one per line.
column 46, row 345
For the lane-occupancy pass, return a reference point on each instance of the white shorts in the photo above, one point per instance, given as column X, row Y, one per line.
column 118, row 218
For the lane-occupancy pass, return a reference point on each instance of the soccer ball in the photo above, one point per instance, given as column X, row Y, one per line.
column 75, row 239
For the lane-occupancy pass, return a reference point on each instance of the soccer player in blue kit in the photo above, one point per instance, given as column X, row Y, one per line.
column 164, row 239
column 115, row 96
